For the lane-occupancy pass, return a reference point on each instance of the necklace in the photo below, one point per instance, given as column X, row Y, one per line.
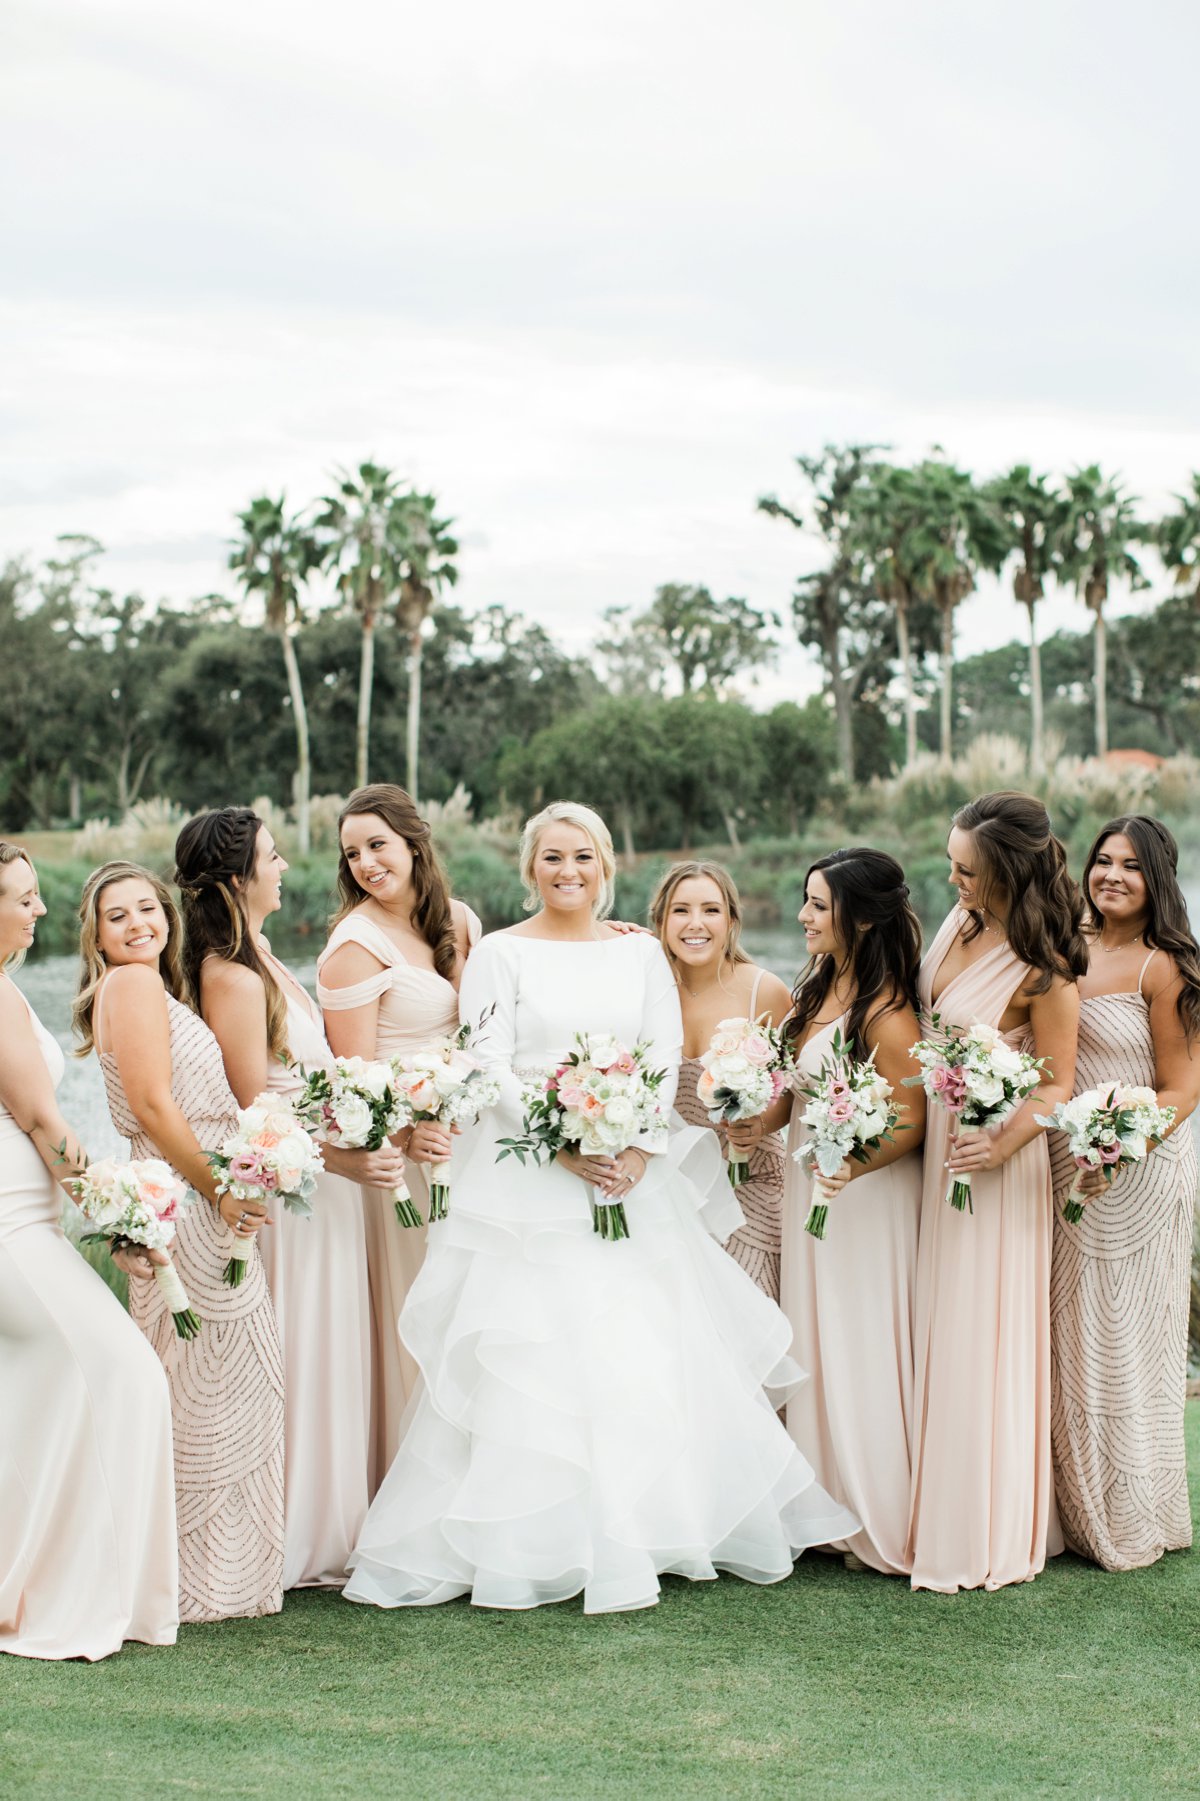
column 1110, row 950
column 692, row 993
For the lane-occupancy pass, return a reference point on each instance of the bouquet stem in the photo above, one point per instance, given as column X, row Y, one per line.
column 737, row 1169
column 235, row 1269
column 959, row 1194
column 818, row 1215
column 407, row 1211
column 187, row 1320
column 1073, row 1206
column 439, row 1190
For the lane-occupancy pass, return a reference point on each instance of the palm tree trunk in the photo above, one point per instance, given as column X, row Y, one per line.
column 1100, row 682
column 904, row 645
column 842, row 708
column 413, row 743
column 366, row 678
column 626, row 818
column 1037, row 732
column 302, row 781
column 947, row 700
column 731, row 831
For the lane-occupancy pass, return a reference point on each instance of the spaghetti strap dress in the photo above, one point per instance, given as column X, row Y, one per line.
column 226, row 1383
column 849, row 1300
column 1119, row 1320
column 87, row 1495
column 983, row 1500
column 416, row 1006
column 317, row 1273
column 755, row 1245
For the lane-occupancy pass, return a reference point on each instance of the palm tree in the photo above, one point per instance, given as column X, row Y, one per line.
column 884, row 509
column 830, row 604
column 955, row 532
column 275, row 557
column 1033, row 511
column 1178, row 538
column 360, row 538
column 424, row 548
column 1098, row 528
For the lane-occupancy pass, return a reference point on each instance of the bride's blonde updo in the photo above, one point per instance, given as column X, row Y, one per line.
column 569, row 812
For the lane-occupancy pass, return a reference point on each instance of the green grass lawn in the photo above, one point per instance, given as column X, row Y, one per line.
column 829, row 1684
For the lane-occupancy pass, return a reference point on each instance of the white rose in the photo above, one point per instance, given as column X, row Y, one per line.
column 984, row 1036
column 1006, row 1061
column 353, row 1117
column 619, row 1112
column 986, row 1089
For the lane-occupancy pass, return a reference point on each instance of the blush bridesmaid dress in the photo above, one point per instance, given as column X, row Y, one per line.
column 983, row 1499
column 87, row 1496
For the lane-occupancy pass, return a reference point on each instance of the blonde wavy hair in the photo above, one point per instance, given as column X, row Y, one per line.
column 93, row 968
column 569, row 812
column 664, row 894
column 9, row 854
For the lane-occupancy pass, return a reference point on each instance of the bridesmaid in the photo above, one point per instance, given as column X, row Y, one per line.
column 849, row 1296
column 87, row 1500
column 168, row 1095
column 1008, row 955
column 269, row 1032
column 1121, row 1277
column 698, row 918
column 388, row 981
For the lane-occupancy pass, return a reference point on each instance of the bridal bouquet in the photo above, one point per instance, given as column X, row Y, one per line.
column 357, row 1105
column 137, row 1204
column 268, row 1156
column 448, row 1084
column 850, row 1113
column 978, row 1078
column 745, row 1069
column 1107, row 1129
column 600, row 1098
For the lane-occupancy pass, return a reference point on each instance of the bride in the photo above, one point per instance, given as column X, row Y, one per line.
column 593, row 1415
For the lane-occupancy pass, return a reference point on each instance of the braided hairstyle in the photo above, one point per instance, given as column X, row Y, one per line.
column 1021, row 865
column 211, row 852
column 431, row 914
column 1167, row 927
column 874, row 919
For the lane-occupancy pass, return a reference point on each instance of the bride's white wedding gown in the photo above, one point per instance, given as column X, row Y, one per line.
column 592, row 1414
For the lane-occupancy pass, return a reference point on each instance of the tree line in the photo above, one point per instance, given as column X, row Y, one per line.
column 112, row 700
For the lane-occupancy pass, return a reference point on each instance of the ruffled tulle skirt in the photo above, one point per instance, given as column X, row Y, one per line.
column 593, row 1415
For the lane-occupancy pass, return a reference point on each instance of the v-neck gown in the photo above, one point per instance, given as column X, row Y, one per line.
column 87, row 1494
column 983, row 1501
column 416, row 1006
column 317, row 1272
column 849, row 1298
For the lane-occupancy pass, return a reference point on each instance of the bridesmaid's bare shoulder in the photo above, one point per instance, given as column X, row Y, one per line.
column 774, row 997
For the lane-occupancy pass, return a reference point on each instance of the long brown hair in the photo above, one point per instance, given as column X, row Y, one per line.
column 210, row 852
column 93, row 968
column 14, row 853
column 1018, row 858
column 431, row 912
column 875, row 920
column 664, row 894
column 1168, row 927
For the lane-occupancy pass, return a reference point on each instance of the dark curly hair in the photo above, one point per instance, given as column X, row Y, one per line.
column 868, row 889
column 210, row 852
column 1168, row 927
column 431, row 913
column 1022, row 876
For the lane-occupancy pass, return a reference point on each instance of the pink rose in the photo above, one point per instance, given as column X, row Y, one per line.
column 841, row 1110
column 624, row 1063
column 266, row 1139
column 778, row 1083
column 939, row 1078
column 838, row 1089
column 163, row 1200
column 1110, row 1153
column 572, row 1096
column 245, row 1167
column 757, row 1050
column 422, row 1095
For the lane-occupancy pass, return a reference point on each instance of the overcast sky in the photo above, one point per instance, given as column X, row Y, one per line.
column 595, row 274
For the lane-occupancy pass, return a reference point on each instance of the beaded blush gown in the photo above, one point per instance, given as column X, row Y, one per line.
column 1119, row 1320
column 849, row 1299
column 317, row 1273
column 983, row 1499
column 755, row 1245
column 416, row 1006
column 87, row 1499
column 226, row 1383
column 593, row 1414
